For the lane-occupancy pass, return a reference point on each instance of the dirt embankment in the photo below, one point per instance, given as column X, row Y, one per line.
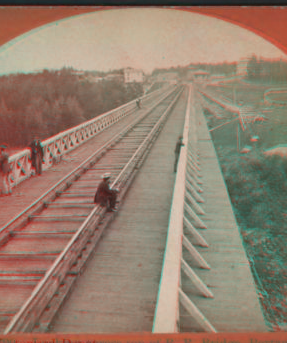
column 257, row 185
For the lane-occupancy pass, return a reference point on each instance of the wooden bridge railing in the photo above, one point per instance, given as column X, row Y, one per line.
column 67, row 140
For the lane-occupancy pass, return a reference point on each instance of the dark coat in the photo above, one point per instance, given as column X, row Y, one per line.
column 4, row 163
column 103, row 192
column 36, row 148
column 178, row 146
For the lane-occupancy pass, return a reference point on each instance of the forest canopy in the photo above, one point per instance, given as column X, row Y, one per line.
column 49, row 102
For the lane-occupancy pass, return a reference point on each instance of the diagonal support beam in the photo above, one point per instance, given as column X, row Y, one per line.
column 195, row 254
column 194, row 162
column 193, row 173
column 199, row 240
column 192, row 169
column 195, row 205
column 193, row 150
column 193, row 182
column 195, row 313
column 199, row 223
column 192, row 155
column 193, row 192
column 199, row 284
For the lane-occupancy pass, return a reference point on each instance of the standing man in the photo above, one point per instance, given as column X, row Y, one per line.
column 37, row 155
column 4, row 171
column 178, row 146
column 106, row 196
column 139, row 103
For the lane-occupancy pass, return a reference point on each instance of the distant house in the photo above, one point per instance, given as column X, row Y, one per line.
column 91, row 78
column 87, row 76
column 114, row 77
column 242, row 67
column 95, row 79
column 193, row 73
column 200, row 75
column 190, row 71
column 218, row 76
column 133, row 75
column 78, row 72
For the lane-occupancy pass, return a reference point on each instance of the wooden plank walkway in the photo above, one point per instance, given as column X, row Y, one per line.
column 235, row 307
column 118, row 290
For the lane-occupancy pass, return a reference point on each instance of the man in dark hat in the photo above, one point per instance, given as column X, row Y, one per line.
column 178, row 146
column 37, row 155
column 104, row 195
column 5, row 170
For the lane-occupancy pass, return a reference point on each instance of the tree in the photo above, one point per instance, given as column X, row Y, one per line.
column 52, row 101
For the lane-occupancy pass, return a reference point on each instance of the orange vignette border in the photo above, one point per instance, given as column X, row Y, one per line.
column 266, row 21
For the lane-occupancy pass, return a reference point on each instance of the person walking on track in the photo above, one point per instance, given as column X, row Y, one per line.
column 106, row 196
column 37, row 155
column 5, row 170
column 178, row 146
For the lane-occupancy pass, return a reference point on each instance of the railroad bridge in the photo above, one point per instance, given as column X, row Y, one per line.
column 170, row 259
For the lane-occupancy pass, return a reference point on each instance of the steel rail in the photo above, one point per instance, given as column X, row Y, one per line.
column 26, row 317
column 4, row 231
column 146, row 140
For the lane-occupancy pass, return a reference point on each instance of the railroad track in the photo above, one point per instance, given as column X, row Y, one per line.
column 43, row 250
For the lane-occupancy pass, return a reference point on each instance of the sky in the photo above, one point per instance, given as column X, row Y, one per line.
column 141, row 38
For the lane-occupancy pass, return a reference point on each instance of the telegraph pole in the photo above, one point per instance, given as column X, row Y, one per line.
column 234, row 95
column 238, row 137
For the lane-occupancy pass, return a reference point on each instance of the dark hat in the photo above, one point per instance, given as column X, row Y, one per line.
column 3, row 146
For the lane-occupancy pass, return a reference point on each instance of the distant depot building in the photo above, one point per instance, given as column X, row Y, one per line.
column 242, row 67
column 133, row 75
column 200, row 75
column 170, row 77
column 193, row 73
column 114, row 77
column 191, row 69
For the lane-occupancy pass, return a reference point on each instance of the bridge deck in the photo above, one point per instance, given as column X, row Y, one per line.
column 118, row 289
column 235, row 307
column 29, row 190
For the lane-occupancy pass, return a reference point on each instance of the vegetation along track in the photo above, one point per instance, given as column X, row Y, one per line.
column 44, row 249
